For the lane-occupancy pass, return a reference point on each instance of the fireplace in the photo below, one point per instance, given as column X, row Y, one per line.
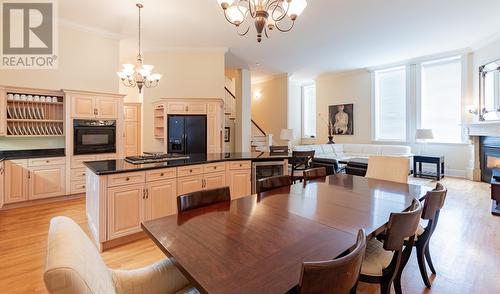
column 489, row 156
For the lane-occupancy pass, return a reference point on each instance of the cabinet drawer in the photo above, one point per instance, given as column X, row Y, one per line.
column 214, row 167
column 77, row 161
column 240, row 165
column 77, row 187
column 46, row 161
column 78, row 174
column 161, row 174
column 126, row 179
column 190, row 170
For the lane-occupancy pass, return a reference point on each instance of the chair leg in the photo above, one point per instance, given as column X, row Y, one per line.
column 385, row 286
column 397, row 284
column 429, row 259
column 421, row 265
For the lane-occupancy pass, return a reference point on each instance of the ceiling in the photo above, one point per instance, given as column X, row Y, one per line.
column 330, row 35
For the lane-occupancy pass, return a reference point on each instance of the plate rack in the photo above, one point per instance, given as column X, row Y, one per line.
column 29, row 118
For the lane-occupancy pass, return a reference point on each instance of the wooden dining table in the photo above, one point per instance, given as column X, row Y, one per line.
column 257, row 244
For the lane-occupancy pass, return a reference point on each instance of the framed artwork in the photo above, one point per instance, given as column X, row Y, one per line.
column 342, row 118
column 227, row 134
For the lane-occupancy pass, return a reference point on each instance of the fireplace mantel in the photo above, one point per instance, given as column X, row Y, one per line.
column 484, row 129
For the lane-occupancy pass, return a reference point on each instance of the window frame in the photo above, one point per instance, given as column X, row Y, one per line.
column 303, row 133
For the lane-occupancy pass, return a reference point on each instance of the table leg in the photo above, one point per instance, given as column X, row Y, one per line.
column 414, row 168
column 442, row 169
column 438, row 171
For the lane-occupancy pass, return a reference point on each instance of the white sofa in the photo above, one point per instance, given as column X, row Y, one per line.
column 343, row 152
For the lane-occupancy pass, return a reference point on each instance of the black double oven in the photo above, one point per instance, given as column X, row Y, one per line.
column 94, row 136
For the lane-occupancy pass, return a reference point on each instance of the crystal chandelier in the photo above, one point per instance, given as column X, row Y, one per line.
column 265, row 14
column 140, row 74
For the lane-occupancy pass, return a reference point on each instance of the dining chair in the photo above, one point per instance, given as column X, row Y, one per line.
column 314, row 173
column 202, row 198
column 73, row 265
column 300, row 161
column 339, row 275
column 270, row 183
column 384, row 261
column 389, row 168
column 433, row 202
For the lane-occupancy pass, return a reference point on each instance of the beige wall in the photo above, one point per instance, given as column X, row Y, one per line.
column 186, row 74
column 86, row 62
column 351, row 87
column 270, row 110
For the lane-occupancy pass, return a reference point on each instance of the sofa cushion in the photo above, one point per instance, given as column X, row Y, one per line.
column 353, row 148
column 338, row 148
column 395, row 150
column 327, row 148
column 372, row 149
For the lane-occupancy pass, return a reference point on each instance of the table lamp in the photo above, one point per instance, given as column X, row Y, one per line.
column 287, row 135
column 424, row 135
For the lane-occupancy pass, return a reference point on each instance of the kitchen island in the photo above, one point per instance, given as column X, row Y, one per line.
column 121, row 195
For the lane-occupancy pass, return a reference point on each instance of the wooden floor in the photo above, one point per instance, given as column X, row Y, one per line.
column 465, row 247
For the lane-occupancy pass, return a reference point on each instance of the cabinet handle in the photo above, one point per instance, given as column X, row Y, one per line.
column 241, row 165
column 190, row 170
column 127, row 179
column 47, row 161
column 215, row 167
column 147, row 193
column 161, row 175
column 29, row 174
column 83, row 174
column 83, row 186
column 144, row 194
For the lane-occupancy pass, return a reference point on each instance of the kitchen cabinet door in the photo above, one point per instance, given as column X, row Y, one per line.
column 125, row 210
column 82, row 107
column 3, row 113
column 177, row 107
column 240, row 183
column 47, row 181
column 106, row 108
column 215, row 180
column 16, row 181
column 2, row 183
column 196, row 108
column 212, row 134
column 189, row 184
column 131, row 134
column 161, row 199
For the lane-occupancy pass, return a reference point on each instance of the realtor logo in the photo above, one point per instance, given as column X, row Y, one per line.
column 29, row 34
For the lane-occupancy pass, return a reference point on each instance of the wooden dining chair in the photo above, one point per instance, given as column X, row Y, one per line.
column 384, row 260
column 314, row 173
column 270, row 183
column 389, row 168
column 333, row 276
column 202, row 198
column 300, row 161
column 433, row 202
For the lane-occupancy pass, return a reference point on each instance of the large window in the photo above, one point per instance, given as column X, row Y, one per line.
column 309, row 111
column 390, row 104
column 440, row 101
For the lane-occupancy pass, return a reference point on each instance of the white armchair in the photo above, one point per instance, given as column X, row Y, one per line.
column 75, row 266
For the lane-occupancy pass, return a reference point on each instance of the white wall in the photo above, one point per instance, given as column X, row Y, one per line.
column 186, row 74
column 87, row 61
column 295, row 110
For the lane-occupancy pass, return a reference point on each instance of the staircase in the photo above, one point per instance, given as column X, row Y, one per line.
column 260, row 140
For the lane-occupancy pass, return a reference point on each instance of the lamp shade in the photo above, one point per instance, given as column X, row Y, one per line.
column 424, row 134
column 286, row 134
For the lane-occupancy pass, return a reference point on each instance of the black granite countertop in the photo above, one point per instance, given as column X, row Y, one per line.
column 105, row 167
column 33, row 153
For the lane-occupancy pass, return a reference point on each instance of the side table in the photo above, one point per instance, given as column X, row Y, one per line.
column 437, row 160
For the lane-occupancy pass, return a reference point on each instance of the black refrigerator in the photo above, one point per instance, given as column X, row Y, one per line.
column 187, row 134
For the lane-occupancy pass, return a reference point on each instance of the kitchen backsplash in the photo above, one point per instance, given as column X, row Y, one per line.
column 31, row 143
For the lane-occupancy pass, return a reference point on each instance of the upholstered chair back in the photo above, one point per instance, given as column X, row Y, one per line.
column 389, row 168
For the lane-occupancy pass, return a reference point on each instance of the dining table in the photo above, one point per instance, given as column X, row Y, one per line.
column 257, row 244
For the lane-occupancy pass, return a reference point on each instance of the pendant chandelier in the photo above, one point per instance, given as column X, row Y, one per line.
column 140, row 74
column 265, row 14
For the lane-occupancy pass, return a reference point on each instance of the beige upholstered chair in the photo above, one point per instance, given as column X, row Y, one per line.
column 389, row 168
column 75, row 266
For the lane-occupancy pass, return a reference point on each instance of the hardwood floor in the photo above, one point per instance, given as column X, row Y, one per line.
column 465, row 246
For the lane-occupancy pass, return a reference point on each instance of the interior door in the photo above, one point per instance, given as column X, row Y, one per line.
column 131, row 138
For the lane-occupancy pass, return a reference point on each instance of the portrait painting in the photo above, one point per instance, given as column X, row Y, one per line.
column 342, row 119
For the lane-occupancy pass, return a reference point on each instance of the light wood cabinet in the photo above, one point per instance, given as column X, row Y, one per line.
column 47, row 181
column 214, row 180
column 196, row 108
column 3, row 114
column 189, row 184
column 2, row 183
column 132, row 129
column 177, row 107
column 88, row 106
column 16, row 181
column 125, row 210
column 161, row 199
column 240, row 183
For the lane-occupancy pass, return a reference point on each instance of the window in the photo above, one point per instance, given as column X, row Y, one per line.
column 390, row 104
column 309, row 111
column 440, row 101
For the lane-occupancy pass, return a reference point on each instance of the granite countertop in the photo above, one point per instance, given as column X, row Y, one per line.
column 105, row 167
column 33, row 153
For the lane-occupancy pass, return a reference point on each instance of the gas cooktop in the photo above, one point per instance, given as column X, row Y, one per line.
column 155, row 157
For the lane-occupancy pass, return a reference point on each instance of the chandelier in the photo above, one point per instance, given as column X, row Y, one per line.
column 140, row 74
column 265, row 14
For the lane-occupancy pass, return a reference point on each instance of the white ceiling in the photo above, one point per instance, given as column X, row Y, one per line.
column 330, row 36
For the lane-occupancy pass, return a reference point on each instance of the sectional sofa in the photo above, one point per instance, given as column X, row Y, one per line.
column 343, row 152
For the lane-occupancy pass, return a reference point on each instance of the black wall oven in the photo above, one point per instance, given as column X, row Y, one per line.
column 94, row 136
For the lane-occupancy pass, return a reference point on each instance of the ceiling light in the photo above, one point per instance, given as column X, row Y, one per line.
column 266, row 15
column 140, row 74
